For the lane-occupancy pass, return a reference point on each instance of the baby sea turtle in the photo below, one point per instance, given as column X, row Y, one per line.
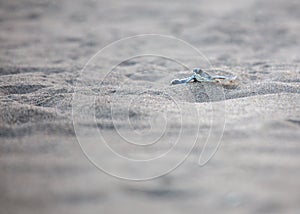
column 201, row 76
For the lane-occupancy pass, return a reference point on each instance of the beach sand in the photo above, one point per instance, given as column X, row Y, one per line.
column 253, row 123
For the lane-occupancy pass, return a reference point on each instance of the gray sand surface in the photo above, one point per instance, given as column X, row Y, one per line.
column 44, row 47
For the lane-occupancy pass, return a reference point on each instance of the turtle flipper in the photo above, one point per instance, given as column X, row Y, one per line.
column 190, row 79
column 223, row 77
column 176, row 82
column 182, row 81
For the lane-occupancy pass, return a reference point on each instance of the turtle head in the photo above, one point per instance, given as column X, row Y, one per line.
column 197, row 71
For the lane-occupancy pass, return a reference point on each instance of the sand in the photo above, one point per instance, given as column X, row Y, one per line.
column 253, row 123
